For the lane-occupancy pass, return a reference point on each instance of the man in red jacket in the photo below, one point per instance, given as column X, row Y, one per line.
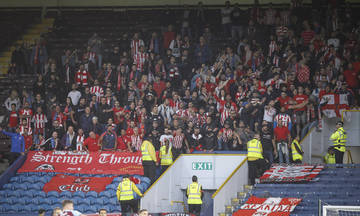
column 91, row 143
column 282, row 140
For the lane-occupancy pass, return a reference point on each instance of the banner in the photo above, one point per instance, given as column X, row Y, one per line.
column 273, row 206
column 293, row 173
column 116, row 163
column 334, row 104
column 61, row 183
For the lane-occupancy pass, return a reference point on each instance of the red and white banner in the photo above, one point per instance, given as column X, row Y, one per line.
column 117, row 163
column 273, row 206
column 336, row 104
column 61, row 183
column 293, row 173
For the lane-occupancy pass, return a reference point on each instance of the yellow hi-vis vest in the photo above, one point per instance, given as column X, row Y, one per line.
column 330, row 158
column 296, row 155
column 254, row 149
column 125, row 188
column 194, row 193
column 166, row 157
column 339, row 138
column 145, row 152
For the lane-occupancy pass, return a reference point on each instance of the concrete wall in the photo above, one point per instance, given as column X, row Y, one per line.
column 229, row 190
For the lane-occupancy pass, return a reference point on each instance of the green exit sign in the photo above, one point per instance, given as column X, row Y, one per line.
column 202, row 166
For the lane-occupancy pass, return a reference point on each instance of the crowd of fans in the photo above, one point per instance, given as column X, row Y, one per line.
column 173, row 85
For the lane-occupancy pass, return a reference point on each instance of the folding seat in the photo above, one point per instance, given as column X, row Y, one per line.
column 18, row 208
column 85, row 201
column 92, row 194
column 14, row 179
column 65, row 195
column 38, row 194
column 112, row 187
column 79, row 194
column 35, row 186
column 54, row 200
column 53, row 194
column 27, row 208
column 92, row 200
column 31, row 201
column 8, row 186
column 29, row 194
column 106, row 194
column 113, row 201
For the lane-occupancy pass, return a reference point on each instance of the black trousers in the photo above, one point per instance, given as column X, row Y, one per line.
column 339, row 156
column 128, row 206
column 149, row 170
column 297, row 161
column 256, row 169
column 195, row 209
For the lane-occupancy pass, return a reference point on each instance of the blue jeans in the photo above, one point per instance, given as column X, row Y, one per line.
column 269, row 156
column 283, row 151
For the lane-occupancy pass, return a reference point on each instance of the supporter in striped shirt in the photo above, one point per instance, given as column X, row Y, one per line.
column 136, row 43
column 308, row 34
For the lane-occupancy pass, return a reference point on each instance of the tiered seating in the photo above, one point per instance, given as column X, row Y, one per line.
column 79, row 26
column 23, row 194
column 336, row 186
column 13, row 24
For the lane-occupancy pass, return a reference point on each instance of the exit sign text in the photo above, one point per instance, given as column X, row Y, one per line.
column 202, row 165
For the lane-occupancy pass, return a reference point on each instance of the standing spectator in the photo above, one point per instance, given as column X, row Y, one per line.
column 168, row 37
column 269, row 147
column 13, row 119
column 82, row 76
column 95, row 126
column 135, row 44
column 25, row 114
column 68, row 141
column 39, row 120
column 226, row 18
column 108, row 140
column 95, row 44
column 85, row 120
column 154, row 43
column 38, row 57
column 202, row 52
column 301, row 99
column 17, row 144
column 308, row 34
column 239, row 20
column 13, row 99
column 74, row 94
column 175, row 46
column 282, row 139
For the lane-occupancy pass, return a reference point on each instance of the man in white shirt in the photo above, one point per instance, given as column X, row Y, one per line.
column 68, row 209
column 166, row 136
column 74, row 94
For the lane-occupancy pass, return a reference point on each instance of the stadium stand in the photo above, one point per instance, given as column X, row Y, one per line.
column 24, row 194
column 333, row 186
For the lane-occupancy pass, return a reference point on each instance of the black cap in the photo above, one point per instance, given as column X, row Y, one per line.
column 340, row 122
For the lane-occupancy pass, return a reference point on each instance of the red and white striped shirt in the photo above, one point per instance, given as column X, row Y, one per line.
column 98, row 91
column 26, row 112
column 136, row 141
column 82, row 77
column 136, row 44
column 22, row 130
column 39, row 120
column 139, row 59
column 178, row 141
column 80, row 139
column 272, row 47
column 285, row 118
